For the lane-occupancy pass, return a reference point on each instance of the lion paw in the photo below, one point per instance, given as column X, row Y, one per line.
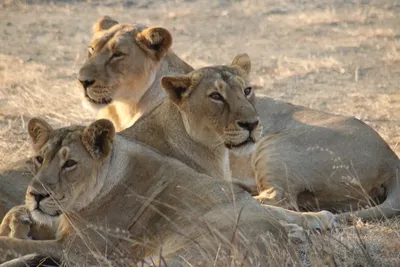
column 322, row 221
column 17, row 223
column 295, row 232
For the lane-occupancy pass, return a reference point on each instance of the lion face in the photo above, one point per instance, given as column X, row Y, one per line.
column 217, row 105
column 67, row 164
column 122, row 61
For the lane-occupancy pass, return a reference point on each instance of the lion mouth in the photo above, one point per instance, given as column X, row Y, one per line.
column 249, row 140
column 56, row 214
column 102, row 101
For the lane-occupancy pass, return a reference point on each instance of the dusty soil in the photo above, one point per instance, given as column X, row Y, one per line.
column 337, row 56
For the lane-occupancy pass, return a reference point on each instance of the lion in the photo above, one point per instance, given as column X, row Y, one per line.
column 87, row 177
column 307, row 156
column 312, row 158
column 229, row 123
column 121, row 77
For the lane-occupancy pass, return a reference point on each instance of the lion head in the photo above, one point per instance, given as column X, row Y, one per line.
column 122, row 61
column 217, row 105
column 67, row 165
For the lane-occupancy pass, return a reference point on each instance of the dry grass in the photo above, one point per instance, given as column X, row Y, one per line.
column 337, row 56
column 291, row 67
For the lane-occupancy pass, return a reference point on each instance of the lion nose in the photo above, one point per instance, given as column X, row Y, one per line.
column 86, row 83
column 248, row 125
column 39, row 197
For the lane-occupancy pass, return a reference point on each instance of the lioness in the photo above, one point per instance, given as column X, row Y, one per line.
column 325, row 161
column 228, row 122
column 122, row 74
column 118, row 201
column 307, row 157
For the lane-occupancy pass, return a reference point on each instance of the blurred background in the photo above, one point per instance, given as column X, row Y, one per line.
column 341, row 57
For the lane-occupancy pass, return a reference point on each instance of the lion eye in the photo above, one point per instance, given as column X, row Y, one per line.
column 117, row 55
column 39, row 159
column 247, row 91
column 69, row 163
column 216, row 96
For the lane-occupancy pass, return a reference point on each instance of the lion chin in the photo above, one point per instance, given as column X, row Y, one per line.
column 89, row 104
column 44, row 218
column 244, row 148
column 95, row 104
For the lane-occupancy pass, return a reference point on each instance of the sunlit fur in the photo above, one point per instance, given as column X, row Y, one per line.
column 197, row 129
column 124, row 67
column 211, row 122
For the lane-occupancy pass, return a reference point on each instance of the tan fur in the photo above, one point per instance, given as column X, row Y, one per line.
column 178, row 198
column 316, row 177
column 18, row 223
column 14, row 180
column 315, row 159
column 164, row 204
column 175, row 129
column 124, row 69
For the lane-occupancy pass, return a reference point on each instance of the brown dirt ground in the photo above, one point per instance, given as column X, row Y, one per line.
column 337, row 56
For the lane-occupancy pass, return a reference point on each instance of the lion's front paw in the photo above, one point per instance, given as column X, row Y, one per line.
column 296, row 233
column 17, row 223
column 322, row 221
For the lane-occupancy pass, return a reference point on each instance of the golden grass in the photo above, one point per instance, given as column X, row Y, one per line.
column 338, row 58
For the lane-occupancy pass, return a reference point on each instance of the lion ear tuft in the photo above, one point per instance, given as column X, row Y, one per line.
column 39, row 131
column 243, row 62
column 156, row 41
column 104, row 23
column 98, row 137
column 176, row 86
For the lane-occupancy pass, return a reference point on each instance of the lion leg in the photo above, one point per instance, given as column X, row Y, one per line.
column 388, row 209
column 316, row 221
column 9, row 247
column 31, row 260
column 243, row 173
column 275, row 183
column 275, row 196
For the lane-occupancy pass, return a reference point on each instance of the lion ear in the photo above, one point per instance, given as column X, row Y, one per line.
column 156, row 41
column 39, row 131
column 243, row 62
column 176, row 87
column 98, row 137
column 104, row 23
